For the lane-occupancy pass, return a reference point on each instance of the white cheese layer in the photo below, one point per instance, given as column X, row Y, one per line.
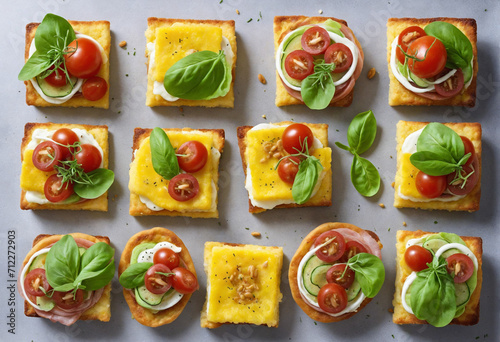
column 24, row 271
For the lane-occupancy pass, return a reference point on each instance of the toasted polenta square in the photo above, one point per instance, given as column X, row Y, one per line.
column 32, row 179
column 179, row 37
column 399, row 95
column 145, row 183
column 100, row 31
column 243, row 284
column 404, row 185
column 259, row 165
column 401, row 316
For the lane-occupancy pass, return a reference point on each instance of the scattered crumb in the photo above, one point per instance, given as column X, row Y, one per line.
column 381, row 205
column 371, row 73
column 264, row 117
column 392, row 184
column 391, row 310
column 256, row 234
column 123, row 43
column 404, row 224
column 320, row 11
column 237, row 12
column 390, row 157
column 181, row 109
column 262, row 79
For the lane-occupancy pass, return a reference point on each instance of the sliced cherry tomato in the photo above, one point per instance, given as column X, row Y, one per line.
column 56, row 78
column 55, row 191
column 94, row 88
column 288, row 168
column 405, row 38
column 339, row 54
column 315, row 40
column 351, row 249
column 333, row 250
column 456, row 186
column 47, row 154
column 332, row 298
column 294, row 138
column 68, row 300
column 195, row 156
column 299, row 64
column 65, row 136
column 86, row 61
column 460, row 266
column 183, row 187
column 337, row 275
column 430, row 186
column 468, row 148
column 167, row 257
column 35, row 281
column 155, row 281
column 432, row 53
column 184, row 281
column 417, row 258
column 452, row 86
column 88, row 156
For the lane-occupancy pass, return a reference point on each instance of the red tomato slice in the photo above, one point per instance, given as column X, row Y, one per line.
column 68, row 300
column 351, row 249
column 88, row 156
column 94, row 88
column 294, row 138
column 332, row 298
column 433, row 54
column 430, row 186
column 56, row 78
column 336, row 275
column 456, row 187
column 468, row 148
column 405, row 38
column 339, row 54
column 55, row 191
column 35, row 281
column 452, row 86
column 460, row 266
column 65, row 136
column 184, row 281
column 333, row 250
column 47, row 155
column 315, row 40
column 183, row 187
column 288, row 168
column 158, row 283
column 417, row 258
column 299, row 64
column 167, row 257
column 86, row 61
column 195, row 156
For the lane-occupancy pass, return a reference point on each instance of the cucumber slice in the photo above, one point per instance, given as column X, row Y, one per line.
column 142, row 303
column 450, row 252
column 292, row 45
column 462, row 293
column 71, row 199
column 318, row 275
column 149, row 297
column 45, row 303
column 419, row 81
column 38, row 262
column 138, row 249
column 353, row 290
column 434, row 244
column 51, row 91
column 309, row 267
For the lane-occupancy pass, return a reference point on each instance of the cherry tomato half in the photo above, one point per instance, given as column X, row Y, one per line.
column 299, row 64
column 430, row 186
column 55, row 191
column 195, row 156
column 158, row 283
column 94, row 88
column 184, row 281
column 35, row 281
column 68, row 300
column 433, row 54
column 351, row 249
column 417, row 258
column 47, row 155
column 294, row 138
column 65, row 136
column 86, row 61
column 456, row 187
column 288, row 168
column 335, row 274
column 405, row 38
column 452, row 86
column 333, row 250
column 88, row 156
column 167, row 257
column 460, row 266
column 332, row 298
column 339, row 54
column 468, row 148
column 183, row 187
column 56, row 78
column 315, row 40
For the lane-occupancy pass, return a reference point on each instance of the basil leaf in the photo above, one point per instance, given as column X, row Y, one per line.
column 362, row 131
column 196, row 76
column 62, row 264
column 51, row 30
column 306, row 179
column 317, row 90
column 344, row 147
column 333, row 26
column 35, row 65
column 458, row 47
column 100, row 278
column 442, row 140
column 432, row 163
column 364, row 176
column 225, row 86
column 94, row 262
column 369, row 271
column 101, row 181
column 133, row 276
column 163, row 154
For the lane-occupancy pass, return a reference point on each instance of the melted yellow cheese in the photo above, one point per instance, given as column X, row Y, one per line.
column 175, row 42
column 32, row 179
column 408, row 177
column 144, row 181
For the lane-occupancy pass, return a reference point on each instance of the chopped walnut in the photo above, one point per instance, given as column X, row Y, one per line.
column 273, row 150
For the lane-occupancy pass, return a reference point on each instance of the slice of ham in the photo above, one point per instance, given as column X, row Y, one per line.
column 363, row 238
column 433, row 96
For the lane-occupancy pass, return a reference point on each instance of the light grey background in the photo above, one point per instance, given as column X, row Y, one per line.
column 284, row 227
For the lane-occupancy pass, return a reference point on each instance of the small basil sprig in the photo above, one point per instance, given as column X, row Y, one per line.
column 163, row 154
column 133, row 276
column 360, row 136
column 317, row 89
column 369, row 271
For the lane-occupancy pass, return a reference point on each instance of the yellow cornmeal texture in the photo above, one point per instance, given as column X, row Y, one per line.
column 408, row 178
column 221, row 303
column 32, row 179
column 266, row 183
column 174, row 43
column 146, row 182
